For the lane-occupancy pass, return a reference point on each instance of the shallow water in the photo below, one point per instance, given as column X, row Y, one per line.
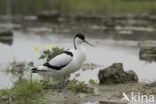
column 104, row 54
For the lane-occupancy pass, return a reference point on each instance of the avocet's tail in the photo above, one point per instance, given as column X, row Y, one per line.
column 34, row 70
column 39, row 69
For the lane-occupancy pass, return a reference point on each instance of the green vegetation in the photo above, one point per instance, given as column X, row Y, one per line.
column 50, row 53
column 46, row 84
column 25, row 92
column 92, row 82
column 11, row 67
column 30, row 91
column 106, row 7
column 153, row 91
column 17, row 69
column 4, row 92
column 77, row 86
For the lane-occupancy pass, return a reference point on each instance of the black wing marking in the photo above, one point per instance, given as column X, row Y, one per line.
column 60, row 61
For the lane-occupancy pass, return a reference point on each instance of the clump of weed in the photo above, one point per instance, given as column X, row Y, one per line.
column 11, row 67
column 46, row 84
column 77, row 86
column 92, row 82
column 17, row 69
column 25, row 91
column 4, row 92
column 154, row 91
column 4, row 98
column 50, row 53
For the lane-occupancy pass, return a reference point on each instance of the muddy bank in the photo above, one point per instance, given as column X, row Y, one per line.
column 131, row 19
column 107, row 93
column 115, row 27
column 104, row 94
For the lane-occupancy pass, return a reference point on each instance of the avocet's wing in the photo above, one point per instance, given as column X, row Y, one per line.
column 60, row 61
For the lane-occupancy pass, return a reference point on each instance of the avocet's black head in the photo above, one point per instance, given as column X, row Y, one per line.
column 80, row 36
column 79, row 39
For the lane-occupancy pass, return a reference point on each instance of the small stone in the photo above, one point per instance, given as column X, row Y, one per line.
column 82, row 95
column 131, row 76
column 96, row 92
column 4, row 97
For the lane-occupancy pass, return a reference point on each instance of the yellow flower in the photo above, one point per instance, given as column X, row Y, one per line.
column 48, row 46
column 36, row 48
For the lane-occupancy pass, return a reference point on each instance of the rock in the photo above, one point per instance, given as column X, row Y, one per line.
column 148, row 50
column 49, row 16
column 153, row 84
column 6, row 33
column 116, row 74
column 131, row 76
column 148, row 53
column 6, row 37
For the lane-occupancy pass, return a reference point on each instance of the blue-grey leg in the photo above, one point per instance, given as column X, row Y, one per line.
column 61, row 84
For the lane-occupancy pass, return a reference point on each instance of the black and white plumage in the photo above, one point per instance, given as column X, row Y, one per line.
column 60, row 61
column 66, row 63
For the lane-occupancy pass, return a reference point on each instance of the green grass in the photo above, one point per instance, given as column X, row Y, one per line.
column 107, row 7
column 92, row 82
column 153, row 91
column 30, row 91
column 25, row 92
column 78, row 86
column 104, row 7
